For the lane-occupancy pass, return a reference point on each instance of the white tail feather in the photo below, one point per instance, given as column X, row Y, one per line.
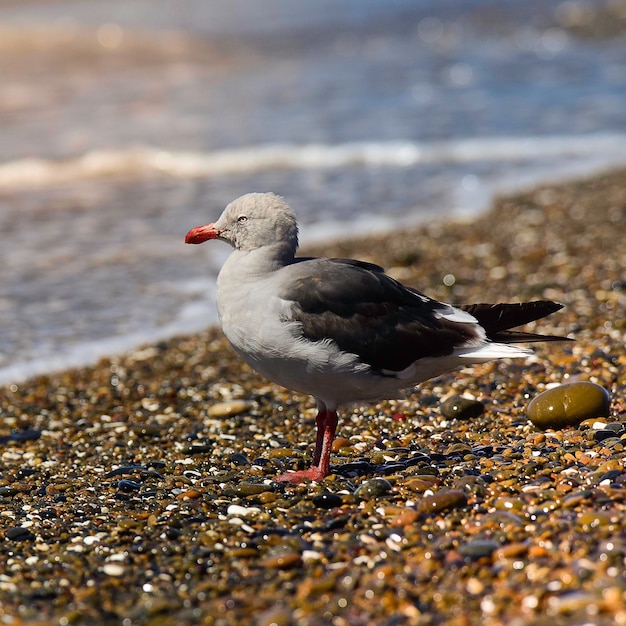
column 490, row 351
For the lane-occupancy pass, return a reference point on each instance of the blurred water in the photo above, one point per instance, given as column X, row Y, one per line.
column 125, row 123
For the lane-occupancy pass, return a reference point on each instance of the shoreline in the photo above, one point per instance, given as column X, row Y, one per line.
column 323, row 241
column 141, row 488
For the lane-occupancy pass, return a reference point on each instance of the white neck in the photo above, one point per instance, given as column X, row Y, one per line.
column 250, row 265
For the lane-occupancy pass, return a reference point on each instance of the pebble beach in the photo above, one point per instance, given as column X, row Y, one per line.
column 140, row 491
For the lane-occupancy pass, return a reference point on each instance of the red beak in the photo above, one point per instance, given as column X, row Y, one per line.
column 202, row 233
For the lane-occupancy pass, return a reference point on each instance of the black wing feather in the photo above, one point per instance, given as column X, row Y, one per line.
column 497, row 319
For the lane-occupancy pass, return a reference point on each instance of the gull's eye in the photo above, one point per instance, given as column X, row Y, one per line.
column 242, row 218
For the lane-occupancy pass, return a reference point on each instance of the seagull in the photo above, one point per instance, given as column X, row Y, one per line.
column 342, row 330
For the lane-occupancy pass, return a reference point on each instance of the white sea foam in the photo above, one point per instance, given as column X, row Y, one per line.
column 182, row 164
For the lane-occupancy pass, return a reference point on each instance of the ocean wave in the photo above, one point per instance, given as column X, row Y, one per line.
column 135, row 161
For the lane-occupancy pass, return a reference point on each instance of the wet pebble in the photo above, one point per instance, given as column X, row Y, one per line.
column 267, row 497
column 190, row 494
column 611, row 475
column 236, row 510
column 408, row 517
column 280, row 453
column 506, row 503
column 19, row 533
column 275, row 616
column 372, row 489
column 601, row 435
column 250, row 489
column 460, row 408
column 228, row 409
column 391, row 468
column 593, row 519
column 335, row 523
column 124, row 469
column 148, row 430
column 128, row 523
column 576, row 498
column 341, row 442
column 472, row 485
column 327, row 500
column 502, row 519
column 282, row 560
column 199, row 448
column 568, row 405
column 421, row 483
column 21, row 436
column 442, row 500
column 478, row 548
column 113, row 569
column 573, row 601
column 127, row 485
column 458, row 449
column 356, row 468
column 243, row 552
column 236, row 458
column 617, row 427
column 511, row 550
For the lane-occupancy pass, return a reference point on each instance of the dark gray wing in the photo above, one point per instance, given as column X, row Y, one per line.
column 368, row 313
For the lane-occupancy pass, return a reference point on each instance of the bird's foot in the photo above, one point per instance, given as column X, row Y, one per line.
column 295, row 478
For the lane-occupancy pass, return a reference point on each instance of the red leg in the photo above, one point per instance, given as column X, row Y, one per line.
column 326, row 427
column 319, row 439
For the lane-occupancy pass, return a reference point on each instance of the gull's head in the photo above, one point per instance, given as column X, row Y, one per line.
column 252, row 221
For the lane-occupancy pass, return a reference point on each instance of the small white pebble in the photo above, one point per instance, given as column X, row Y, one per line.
column 475, row 587
column 235, row 510
column 393, row 544
column 530, row 602
column 113, row 569
column 487, row 605
column 367, row 539
column 311, row 555
column 149, row 405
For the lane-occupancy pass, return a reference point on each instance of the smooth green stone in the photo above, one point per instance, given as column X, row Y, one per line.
column 593, row 519
column 373, row 488
column 473, row 485
column 506, row 503
column 460, row 408
column 250, row 489
column 568, row 405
